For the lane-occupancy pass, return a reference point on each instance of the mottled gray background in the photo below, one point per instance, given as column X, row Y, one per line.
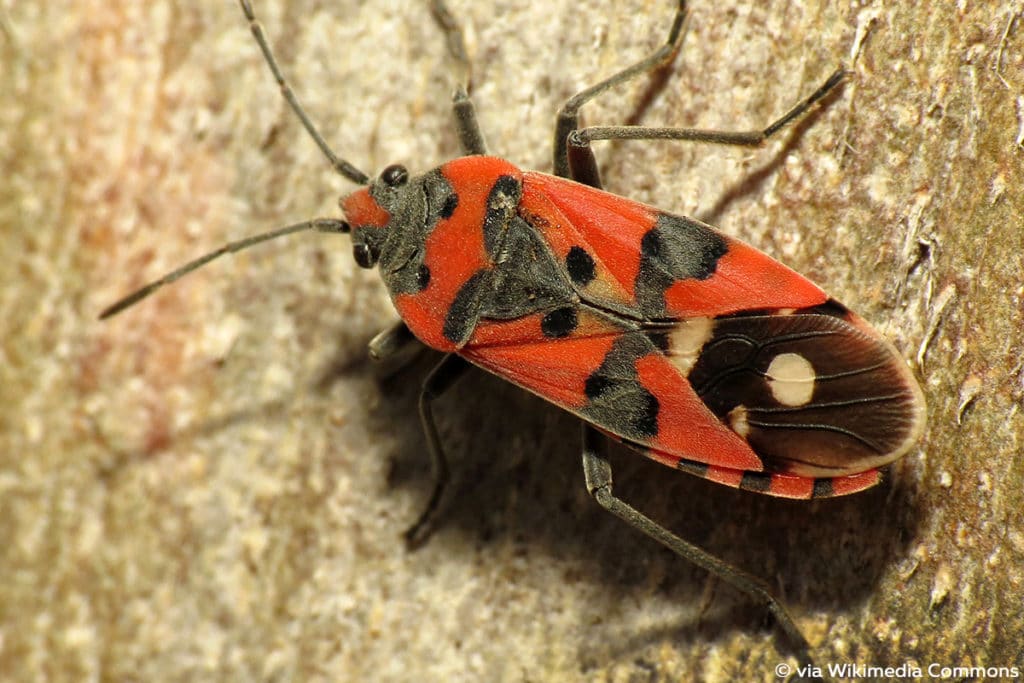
column 213, row 485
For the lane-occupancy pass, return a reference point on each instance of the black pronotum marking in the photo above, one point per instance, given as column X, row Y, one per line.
column 464, row 312
column 442, row 199
column 580, row 266
column 422, row 276
column 451, row 203
column 676, row 248
column 416, row 207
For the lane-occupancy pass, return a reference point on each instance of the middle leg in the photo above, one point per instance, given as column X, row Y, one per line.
column 579, row 163
column 440, row 379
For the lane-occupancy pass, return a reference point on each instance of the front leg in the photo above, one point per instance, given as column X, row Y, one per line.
column 394, row 348
column 466, row 125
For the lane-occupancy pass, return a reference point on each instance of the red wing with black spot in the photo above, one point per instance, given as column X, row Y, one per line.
column 652, row 265
column 693, row 347
column 684, row 343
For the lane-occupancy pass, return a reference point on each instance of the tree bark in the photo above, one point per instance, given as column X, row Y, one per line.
column 214, row 483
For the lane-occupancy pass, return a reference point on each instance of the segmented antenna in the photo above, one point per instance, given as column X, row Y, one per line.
column 317, row 225
column 340, row 165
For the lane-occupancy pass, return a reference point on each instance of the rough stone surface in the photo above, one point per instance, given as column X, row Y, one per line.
column 213, row 484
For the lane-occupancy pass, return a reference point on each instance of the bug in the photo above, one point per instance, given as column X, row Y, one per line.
column 656, row 330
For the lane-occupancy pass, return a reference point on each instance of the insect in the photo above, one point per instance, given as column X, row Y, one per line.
column 656, row 330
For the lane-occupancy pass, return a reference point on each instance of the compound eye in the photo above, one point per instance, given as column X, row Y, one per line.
column 365, row 257
column 395, row 175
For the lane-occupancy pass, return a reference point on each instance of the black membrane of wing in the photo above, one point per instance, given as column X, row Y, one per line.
column 861, row 407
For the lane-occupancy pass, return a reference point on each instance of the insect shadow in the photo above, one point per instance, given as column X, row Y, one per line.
column 516, row 479
column 752, row 181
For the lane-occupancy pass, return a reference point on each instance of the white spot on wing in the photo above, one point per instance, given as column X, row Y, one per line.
column 738, row 420
column 686, row 341
column 791, row 379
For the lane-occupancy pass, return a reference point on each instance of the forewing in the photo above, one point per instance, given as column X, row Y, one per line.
column 815, row 392
column 615, row 377
column 698, row 349
column 651, row 265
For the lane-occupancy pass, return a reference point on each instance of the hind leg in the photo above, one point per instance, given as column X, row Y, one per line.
column 598, row 474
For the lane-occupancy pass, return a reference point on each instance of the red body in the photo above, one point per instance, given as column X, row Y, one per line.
column 693, row 347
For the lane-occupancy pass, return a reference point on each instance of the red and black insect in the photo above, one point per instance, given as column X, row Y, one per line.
column 655, row 329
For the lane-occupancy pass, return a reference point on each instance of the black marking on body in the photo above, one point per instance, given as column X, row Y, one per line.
column 560, row 322
column 442, row 199
column 502, row 205
column 522, row 277
column 527, row 278
column 646, row 420
column 618, row 401
column 422, row 277
column 822, row 488
column 758, row 482
column 451, row 203
column 861, row 407
column 660, row 339
column 409, row 277
column 416, row 208
column 676, row 248
column 463, row 314
column 596, row 386
column 580, row 266
column 699, row 469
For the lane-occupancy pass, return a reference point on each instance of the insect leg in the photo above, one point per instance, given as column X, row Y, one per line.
column 584, row 167
column 440, row 379
column 598, row 474
column 393, row 348
column 470, row 137
column 340, row 165
column 582, row 138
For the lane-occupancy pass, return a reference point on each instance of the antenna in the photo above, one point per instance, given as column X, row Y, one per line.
column 340, row 165
column 317, row 225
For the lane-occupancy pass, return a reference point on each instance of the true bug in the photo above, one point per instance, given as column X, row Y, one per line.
column 656, row 330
